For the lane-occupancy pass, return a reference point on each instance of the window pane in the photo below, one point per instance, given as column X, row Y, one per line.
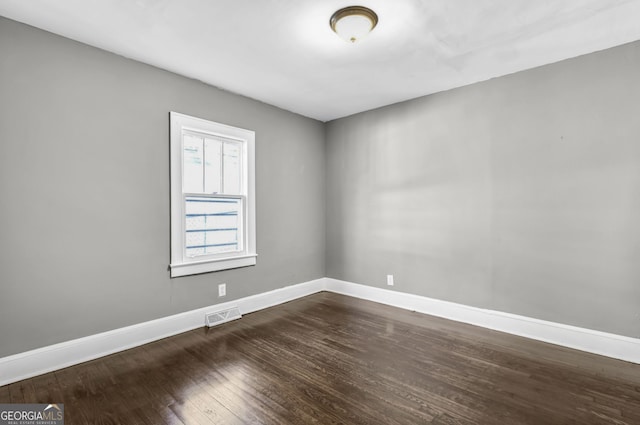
column 212, row 225
column 192, row 154
column 232, row 168
column 212, row 166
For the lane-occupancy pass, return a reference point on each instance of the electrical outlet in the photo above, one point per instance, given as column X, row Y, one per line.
column 390, row 279
column 222, row 290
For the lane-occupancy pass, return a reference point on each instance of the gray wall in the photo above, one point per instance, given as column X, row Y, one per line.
column 84, row 183
column 519, row 194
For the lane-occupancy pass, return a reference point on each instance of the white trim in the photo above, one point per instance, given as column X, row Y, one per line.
column 46, row 359
column 186, row 269
column 602, row 343
column 180, row 264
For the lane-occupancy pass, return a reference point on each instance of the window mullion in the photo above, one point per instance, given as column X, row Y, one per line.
column 222, row 184
column 204, row 160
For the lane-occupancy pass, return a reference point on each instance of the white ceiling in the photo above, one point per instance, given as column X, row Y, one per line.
column 283, row 52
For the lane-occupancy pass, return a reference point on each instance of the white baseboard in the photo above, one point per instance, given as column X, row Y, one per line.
column 602, row 343
column 42, row 360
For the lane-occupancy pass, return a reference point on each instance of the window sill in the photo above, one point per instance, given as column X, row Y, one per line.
column 186, row 269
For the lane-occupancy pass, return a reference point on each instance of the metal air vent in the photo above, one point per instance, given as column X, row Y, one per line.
column 222, row 316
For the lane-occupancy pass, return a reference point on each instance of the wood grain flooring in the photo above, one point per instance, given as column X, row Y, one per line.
column 332, row 359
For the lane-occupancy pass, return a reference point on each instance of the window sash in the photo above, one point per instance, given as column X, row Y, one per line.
column 182, row 264
column 241, row 228
column 223, row 177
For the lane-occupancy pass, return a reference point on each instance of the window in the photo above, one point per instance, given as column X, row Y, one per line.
column 212, row 196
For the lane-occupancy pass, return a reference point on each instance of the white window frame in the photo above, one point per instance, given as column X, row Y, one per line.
column 181, row 264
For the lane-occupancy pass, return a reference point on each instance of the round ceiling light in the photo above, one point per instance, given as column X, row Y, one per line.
column 353, row 23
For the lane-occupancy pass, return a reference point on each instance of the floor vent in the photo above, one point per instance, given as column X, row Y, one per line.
column 222, row 316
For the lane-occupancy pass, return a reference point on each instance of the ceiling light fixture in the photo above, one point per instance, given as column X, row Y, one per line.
column 353, row 23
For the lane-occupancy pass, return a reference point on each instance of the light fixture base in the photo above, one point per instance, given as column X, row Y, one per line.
column 354, row 19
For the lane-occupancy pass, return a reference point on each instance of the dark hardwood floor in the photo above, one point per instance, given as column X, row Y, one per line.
column 331, row 359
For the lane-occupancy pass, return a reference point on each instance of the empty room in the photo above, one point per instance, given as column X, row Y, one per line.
column 320, row 212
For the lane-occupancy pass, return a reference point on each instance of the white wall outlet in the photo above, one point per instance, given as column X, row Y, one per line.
column 390, row 279
column 222, row 290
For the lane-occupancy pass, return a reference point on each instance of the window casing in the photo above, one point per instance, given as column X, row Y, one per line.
column 212, row 196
